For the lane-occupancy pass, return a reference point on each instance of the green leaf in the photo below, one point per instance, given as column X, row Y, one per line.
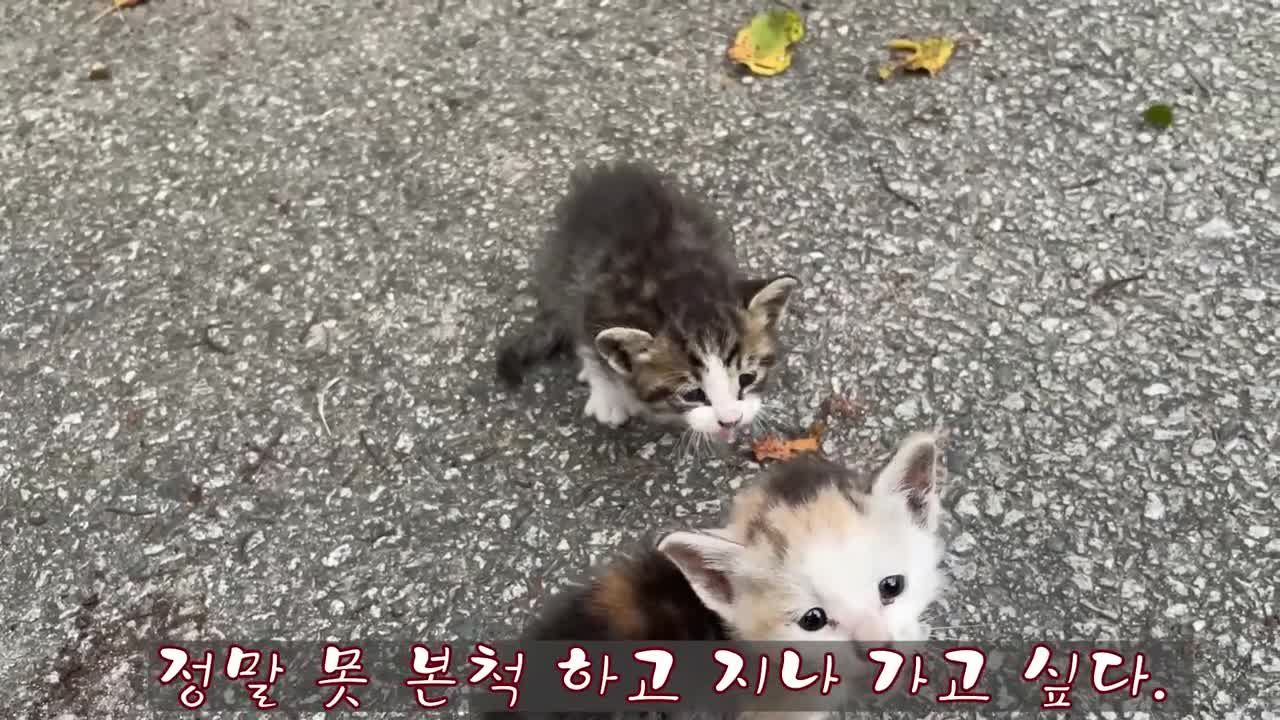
column 764, row 45
column 1159, row 115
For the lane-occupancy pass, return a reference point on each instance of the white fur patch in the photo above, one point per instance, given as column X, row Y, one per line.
column 846, row 575
column 751, row 405
column 610, row 402
column 721, row 390
column 725, row 410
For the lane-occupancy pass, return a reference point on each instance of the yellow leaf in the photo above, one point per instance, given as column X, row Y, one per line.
column 910, row 46
column 929, row 54
column 764, row 45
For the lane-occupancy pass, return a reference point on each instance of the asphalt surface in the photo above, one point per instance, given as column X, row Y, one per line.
column 266, row 198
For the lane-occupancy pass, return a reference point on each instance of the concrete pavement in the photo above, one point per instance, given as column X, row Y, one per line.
column 270, row 203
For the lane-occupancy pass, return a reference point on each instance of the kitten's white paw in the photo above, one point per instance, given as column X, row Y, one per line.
column 606, row 407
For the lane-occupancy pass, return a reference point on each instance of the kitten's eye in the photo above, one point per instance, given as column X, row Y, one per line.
column 813, row 619
column 891, row 587
column 746, row 380
column 695, row 396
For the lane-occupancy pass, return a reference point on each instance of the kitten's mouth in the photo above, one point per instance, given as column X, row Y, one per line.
column 725, row 435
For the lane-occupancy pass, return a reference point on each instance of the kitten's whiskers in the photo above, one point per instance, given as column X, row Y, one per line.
column 681, row 449
column 763, row 419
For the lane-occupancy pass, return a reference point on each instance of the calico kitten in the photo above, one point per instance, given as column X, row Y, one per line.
column 640, row 280
column 812, row 551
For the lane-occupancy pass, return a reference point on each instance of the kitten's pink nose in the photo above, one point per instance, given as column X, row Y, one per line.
column 728, row 420
column 870, row 629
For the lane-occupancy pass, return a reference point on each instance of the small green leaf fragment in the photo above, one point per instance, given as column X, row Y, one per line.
column 1159, row 115
column 764, row 45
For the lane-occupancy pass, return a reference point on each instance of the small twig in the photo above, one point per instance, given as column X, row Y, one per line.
column 242, row 546
column 116, row 7
column 306, row 328
column 1196, row 79
column 97, row 18
column 381, row 533
column 1109, row 287
column 884, row 182
column 320, row 404
column 1100, row 610
column 1089, row 182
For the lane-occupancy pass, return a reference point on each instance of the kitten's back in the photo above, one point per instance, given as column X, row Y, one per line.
column 620, row 228
column 629, row 212
column 626, row 204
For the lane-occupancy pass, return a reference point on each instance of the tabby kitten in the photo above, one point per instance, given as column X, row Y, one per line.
column 640, row 280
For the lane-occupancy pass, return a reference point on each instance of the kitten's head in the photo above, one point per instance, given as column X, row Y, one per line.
column 816, row 552
column 711, row 363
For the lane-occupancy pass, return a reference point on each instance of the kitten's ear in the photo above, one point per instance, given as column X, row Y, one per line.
column 767, row 298
column 913, row 473
column 623, row 347
column 707, row 561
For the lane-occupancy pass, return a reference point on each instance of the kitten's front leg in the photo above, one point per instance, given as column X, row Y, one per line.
column 609, row 403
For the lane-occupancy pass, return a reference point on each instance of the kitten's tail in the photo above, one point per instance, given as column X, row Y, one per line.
column 536, row 343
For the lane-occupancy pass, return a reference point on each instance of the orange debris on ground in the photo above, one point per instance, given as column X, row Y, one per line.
column 772, row 447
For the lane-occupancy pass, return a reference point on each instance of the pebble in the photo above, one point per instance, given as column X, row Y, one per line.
column 337, row 556
column 1155, row 508
column 963, row 543
column 1203, row 447
column 906, row 410
column 967, row 505
column 1216, row 229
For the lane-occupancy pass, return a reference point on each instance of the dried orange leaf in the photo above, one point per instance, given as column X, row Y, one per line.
column 929, row 54
column 764, row 45
column 774, row 448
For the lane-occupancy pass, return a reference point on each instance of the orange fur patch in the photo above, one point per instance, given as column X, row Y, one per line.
column 615, row 598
